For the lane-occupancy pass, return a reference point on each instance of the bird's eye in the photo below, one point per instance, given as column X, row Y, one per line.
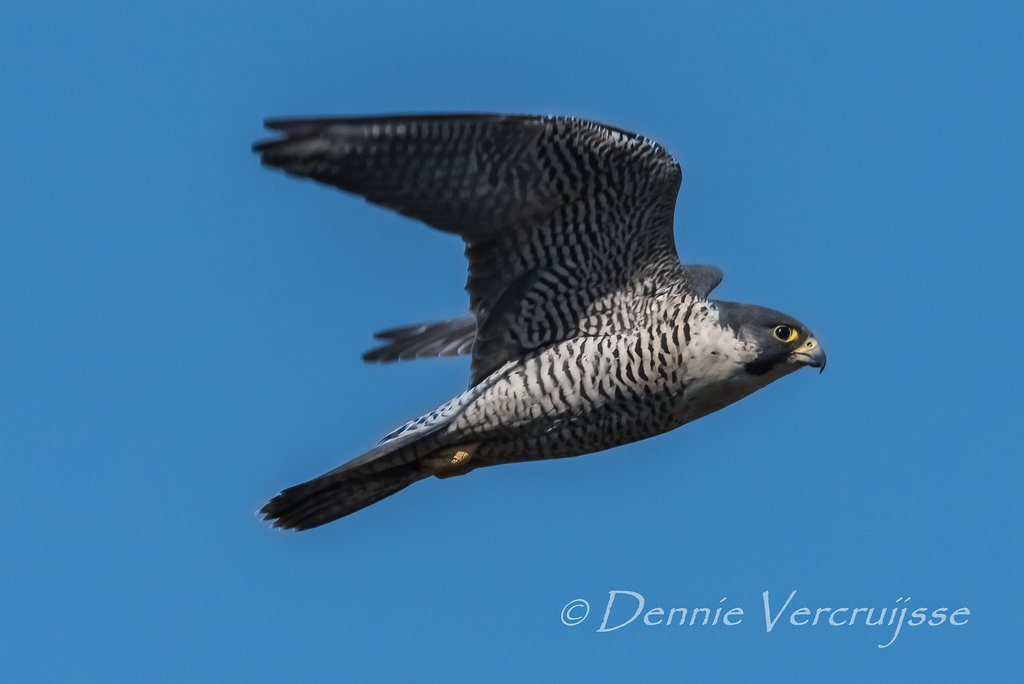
column 784, row 333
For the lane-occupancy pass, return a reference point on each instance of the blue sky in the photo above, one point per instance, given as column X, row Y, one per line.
column 182, row 332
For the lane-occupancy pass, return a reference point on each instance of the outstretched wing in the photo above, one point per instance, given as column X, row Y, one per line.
column 567, row 223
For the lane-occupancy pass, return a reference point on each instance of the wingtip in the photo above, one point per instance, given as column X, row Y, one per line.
column 288, row 127
column 284, row 124
column 261, row 146
column 275, row 123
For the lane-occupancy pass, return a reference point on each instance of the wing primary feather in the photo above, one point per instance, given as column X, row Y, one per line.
column 424, row 340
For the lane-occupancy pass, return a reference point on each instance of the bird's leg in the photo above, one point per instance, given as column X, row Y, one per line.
column 450, row 461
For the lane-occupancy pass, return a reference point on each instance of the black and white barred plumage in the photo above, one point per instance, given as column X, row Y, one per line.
column 586, row 331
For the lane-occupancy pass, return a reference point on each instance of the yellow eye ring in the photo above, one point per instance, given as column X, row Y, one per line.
column 785, row 333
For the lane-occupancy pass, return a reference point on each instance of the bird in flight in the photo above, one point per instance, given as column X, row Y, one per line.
column 585, row 331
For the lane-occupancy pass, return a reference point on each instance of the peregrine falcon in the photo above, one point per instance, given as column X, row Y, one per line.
column 585, row 331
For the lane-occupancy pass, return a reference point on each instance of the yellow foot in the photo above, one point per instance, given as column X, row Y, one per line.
column 449, row 461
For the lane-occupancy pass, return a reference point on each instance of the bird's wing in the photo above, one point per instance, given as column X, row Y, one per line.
column 564, row 219
column 424, row 340
column 701, row 279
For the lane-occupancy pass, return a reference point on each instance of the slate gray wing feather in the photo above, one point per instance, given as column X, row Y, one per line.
column 563, row 218
column 424, row 340
column 701, row 279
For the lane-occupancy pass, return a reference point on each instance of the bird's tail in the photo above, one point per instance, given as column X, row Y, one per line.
column 388, row 468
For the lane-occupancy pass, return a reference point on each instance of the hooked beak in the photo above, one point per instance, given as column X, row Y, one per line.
column 809, row 353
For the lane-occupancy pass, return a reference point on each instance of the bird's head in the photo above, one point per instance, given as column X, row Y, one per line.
column 781, row 343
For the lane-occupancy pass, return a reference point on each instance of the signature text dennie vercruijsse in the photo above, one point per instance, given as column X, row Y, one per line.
column 625, row 608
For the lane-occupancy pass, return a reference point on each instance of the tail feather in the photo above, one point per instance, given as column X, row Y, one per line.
column 335, row 495
column 388, row 468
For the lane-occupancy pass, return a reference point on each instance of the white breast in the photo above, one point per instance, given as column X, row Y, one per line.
column 715, row 367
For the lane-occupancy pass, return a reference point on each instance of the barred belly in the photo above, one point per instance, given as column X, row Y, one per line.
column 577, row 397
